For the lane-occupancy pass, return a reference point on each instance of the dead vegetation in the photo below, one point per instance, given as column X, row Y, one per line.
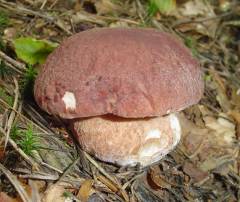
column 39, row 159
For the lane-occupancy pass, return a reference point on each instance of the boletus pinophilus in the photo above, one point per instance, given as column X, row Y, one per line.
column 122, row 89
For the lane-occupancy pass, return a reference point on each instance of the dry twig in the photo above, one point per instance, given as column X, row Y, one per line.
column 19, row 188
column 12, row 114
column 20, row 66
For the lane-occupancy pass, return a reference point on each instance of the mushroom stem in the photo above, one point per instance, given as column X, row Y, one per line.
column 127, row 142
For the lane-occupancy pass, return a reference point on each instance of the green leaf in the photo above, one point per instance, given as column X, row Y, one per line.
column 7, row 98
column 152, row 8
column 192, row 44
column 164, row 6
column 33, row 51
column 4, row 70
column 4, row 20
column 27, row 82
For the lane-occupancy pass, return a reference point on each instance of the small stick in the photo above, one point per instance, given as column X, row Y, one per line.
column 20, row 9
column 69, row 168
column 43, row 4
column 12, row 114
column 23, row 117
column 19, row 188
column 53, row 4
column 101, row 169
column 35, row 192
column 20, row 66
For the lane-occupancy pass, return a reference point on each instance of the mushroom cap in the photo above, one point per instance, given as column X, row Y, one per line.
column 127, row 142
column 131, row 73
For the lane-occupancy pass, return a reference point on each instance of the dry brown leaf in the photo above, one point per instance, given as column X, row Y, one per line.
column 224, row 5
column 214, row 140
column 106, row 6
column 195, row 8
column 194, row 172
column 55, row 193
column 10, row 33
column 5, row 198
column 235, row 115
column 2, row 152
column 155, row 180
column 223, row 127
column 235, row 98
column 85, row 190
column 193, row 15
column 220, row 86
column 81, row 17
column 107, row 183
column 212, row 163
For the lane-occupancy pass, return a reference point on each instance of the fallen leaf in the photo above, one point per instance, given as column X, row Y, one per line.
column 192, row 16
column 223, row 127
column 163, row 6
column 212, row 163
column 194, row 172
column 82, row 17
column 224, row 5
column 10, row 33
column 33, row 51
column 209, row 142
column 2, row 152
column 5, row 198
column 155, row 179
column 235, row 98
column 106, row 7
column 56, row 193
column 85, row 190
column 107, row 183
column 195, row 8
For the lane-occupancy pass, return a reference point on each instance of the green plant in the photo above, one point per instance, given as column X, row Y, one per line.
column 2, row 45
column 27, row 81
column 4, row 19
column 14, row 132
column 4, row 70
column 163, row 6
column 33, row 51
column 192, row 44
column 25, row 138
column 67, row 194
column 152, row 8
column 7, row 98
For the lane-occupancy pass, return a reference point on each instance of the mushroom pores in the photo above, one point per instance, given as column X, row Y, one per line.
column 121, row 88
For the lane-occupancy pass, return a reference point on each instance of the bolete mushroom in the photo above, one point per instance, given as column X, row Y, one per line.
column 121, row 88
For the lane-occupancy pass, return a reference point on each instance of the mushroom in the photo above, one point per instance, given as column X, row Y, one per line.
column 121, row 89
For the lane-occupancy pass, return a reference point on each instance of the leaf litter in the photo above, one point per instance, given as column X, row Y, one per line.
column 206, row 164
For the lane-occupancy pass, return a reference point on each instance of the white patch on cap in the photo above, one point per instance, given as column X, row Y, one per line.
column 175, row 125
column 69, row 100
column 155, row 133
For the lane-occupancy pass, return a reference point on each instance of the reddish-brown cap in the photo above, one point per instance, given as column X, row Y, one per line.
column 126, row 72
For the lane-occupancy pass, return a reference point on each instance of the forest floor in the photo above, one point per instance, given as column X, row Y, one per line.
column 38, row 158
